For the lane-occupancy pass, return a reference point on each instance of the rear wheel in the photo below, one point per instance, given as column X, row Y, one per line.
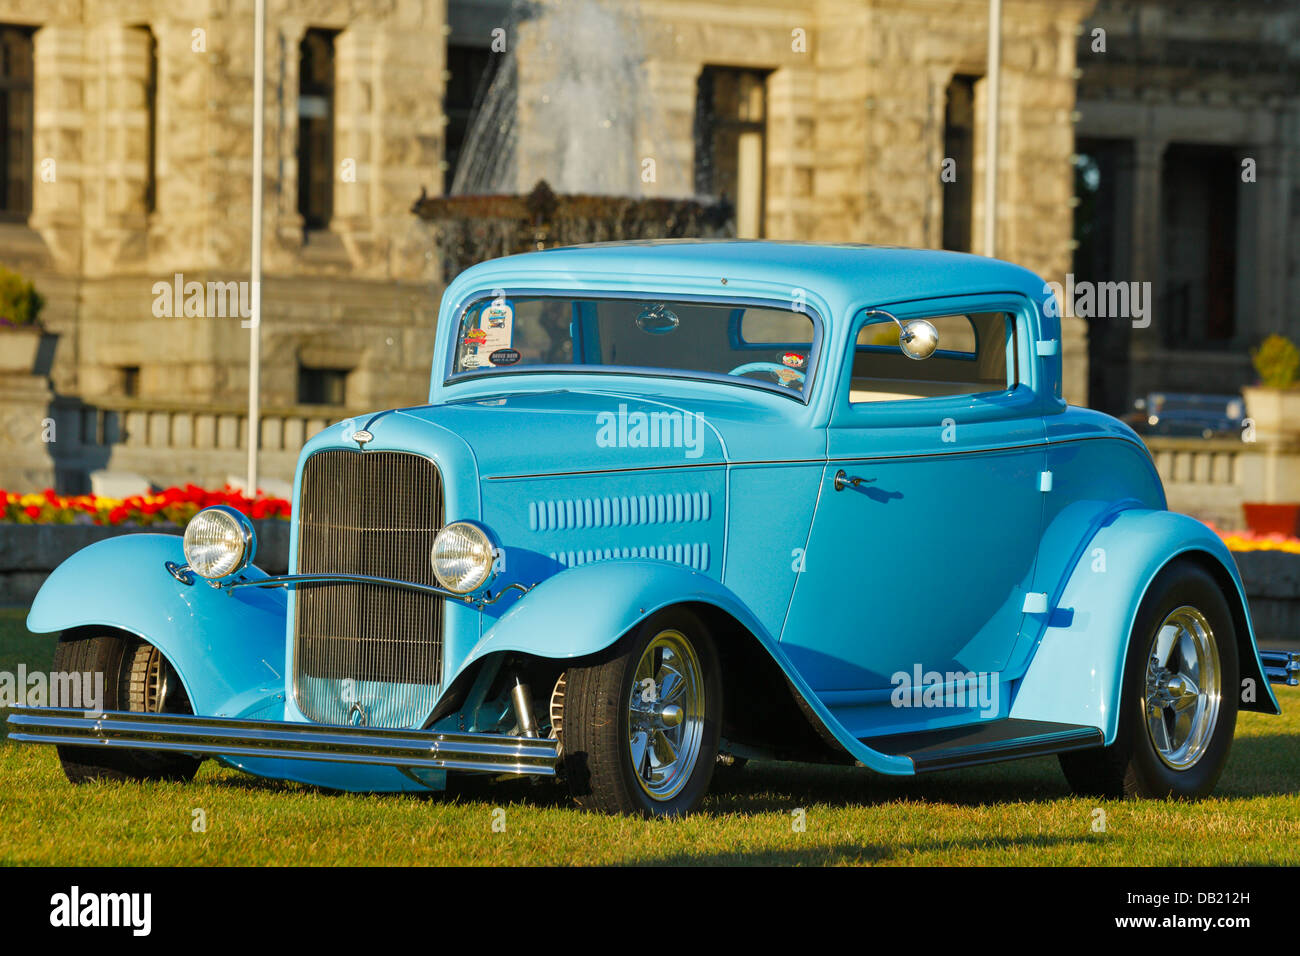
column 1178, row 709
column 641, row 723
column 136, row 677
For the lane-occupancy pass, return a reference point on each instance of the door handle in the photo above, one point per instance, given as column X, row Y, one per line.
column 841, row 479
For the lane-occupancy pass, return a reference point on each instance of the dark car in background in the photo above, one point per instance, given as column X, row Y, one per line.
column 1188, row 414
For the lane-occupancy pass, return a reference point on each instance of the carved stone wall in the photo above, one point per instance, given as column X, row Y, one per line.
column 1157, row 75
column 855, row 108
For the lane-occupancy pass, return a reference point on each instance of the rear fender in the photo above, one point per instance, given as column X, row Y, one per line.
column 1077, row 669
column 584, row 610
column 226, row 646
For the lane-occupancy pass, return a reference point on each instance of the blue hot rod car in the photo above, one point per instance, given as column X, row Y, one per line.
column 677, row 504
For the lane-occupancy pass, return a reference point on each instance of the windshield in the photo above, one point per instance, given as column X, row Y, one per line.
column 749, row 344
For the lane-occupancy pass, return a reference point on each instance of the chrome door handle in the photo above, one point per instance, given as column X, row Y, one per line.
column 841, row 479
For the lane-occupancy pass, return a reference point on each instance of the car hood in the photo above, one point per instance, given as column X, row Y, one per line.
column 573, row 431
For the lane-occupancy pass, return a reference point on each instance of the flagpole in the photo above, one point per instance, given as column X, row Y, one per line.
column 991, row 170
column 254, row 323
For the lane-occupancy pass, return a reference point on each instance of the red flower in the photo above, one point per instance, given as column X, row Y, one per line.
column 32, row 511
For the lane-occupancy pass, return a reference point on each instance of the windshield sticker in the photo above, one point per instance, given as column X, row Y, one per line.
column 498, row 324
column 794, row 360
column 504, row 357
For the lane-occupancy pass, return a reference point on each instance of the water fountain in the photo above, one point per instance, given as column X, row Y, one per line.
column 577, row 138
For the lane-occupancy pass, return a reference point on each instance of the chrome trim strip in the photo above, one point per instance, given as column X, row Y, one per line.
column 238, row 737
column 297, row 580
column 1036, row 443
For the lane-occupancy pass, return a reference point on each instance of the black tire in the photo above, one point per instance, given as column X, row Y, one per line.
column 131, row 669
column 598, row 752
column 1132, row 766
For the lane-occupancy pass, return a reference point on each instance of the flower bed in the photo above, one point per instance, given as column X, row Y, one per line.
column 1251, row 541
column 171, row 506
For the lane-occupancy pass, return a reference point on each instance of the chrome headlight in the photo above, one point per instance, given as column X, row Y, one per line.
column 219, row 542
column 464, row 556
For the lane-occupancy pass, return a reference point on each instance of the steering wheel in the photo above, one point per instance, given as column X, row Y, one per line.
column 779, row 372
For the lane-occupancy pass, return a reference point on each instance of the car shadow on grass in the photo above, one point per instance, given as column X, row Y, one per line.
column 846, row 852
column 760, row 788
column 1259, row 766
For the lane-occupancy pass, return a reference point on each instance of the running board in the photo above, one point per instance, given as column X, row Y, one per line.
column 987, row 742
column 236, row 737
column 1281, row 667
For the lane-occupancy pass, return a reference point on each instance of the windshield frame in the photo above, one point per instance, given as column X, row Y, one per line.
column 804, row 396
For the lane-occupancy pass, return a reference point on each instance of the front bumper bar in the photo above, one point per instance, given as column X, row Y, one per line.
column 1281, row 667
column 235, row 737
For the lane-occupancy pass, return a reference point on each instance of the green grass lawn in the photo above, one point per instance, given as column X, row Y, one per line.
column 1017, row 814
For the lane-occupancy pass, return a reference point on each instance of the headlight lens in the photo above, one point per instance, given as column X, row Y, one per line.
column 218, row 542
column 463, row 556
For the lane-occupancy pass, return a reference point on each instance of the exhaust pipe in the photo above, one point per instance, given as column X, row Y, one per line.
column 1281, row 667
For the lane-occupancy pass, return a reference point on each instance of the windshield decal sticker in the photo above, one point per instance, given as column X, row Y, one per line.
column 498, row 325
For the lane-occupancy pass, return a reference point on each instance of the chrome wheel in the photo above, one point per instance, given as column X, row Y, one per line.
column 666, row 710
column 1182, row 688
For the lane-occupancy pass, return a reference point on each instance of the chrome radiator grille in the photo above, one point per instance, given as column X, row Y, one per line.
column 365, row 653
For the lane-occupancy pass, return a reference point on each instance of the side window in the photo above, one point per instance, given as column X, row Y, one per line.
column 976, row 354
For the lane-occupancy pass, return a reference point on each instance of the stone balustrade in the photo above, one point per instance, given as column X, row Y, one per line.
column 1211, row 478
column 168, row 444
column 1202, row 477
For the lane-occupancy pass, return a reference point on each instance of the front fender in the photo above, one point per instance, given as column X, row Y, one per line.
column 1077, row 670
column 584, row 610
column 226, row 646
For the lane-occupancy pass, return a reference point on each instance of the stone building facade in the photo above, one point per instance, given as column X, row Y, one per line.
column 831, row 122
column 1189, row 143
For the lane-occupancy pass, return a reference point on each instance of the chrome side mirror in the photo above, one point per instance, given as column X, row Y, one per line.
column 917, row 338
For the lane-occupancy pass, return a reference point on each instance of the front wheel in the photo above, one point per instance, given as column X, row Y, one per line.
column 136, row 677
column 1178, row 709
column 641, row 723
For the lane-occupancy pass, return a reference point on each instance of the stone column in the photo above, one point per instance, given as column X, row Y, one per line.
column 59, row 148
column 407, row 142
column 283, row 221
column 669, row 136
column 117, row 212
column 1148, row 236
column 1273, row 184
column 356, row 124
column 791, row 156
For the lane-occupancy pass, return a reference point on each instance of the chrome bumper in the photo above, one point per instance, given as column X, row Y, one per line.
column 1281, row 667
column 233, row 737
